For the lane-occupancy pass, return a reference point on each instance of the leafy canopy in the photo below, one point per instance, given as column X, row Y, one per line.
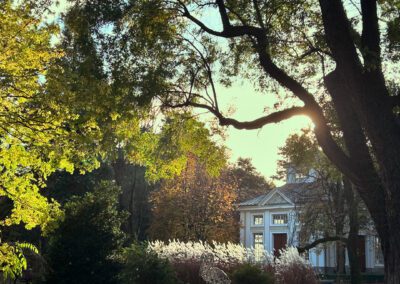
column 61, row 110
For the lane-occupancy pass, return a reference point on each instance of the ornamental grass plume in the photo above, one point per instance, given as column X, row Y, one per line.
column 292, row 268
column 225, row 254
column 185, row 257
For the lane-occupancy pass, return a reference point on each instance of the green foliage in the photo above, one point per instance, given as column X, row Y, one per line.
column 250, row 274
column 33, row 143
column 302, row 151
column 82, row 249
column 144, row 267
column 112, row 105
column 250, row 182
column 130, row 177
column 390, row 11
column 62, row 186
column 165, row 155
column 13, row 259
column 26, row 130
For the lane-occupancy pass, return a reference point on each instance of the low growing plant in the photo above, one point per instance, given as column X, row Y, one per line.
column 142, row 266
column 291, row 268
column 188, row 271
column 250, row 274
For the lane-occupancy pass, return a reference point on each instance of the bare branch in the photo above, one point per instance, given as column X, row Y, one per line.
column 275, row 117
column 258, row 14
column 321, row 241
column 209, row 71
column 229, row 31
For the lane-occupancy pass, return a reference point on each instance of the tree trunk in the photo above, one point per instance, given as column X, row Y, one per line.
column 368, row 96
column 338, row 197
column 391, row 249
column 341, row 258
column 392, row 259
column 352, row 245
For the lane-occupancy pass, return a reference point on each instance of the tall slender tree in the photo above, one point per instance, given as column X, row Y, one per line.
column 330, row 210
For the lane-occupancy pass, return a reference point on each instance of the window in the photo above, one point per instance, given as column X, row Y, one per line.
column 258, row 241
column 279, row 219
column 378, row 252
column 258, row 219
column 258, row 246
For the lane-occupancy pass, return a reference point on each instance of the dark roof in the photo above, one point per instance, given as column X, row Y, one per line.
column 254, row 201
column 295, row 192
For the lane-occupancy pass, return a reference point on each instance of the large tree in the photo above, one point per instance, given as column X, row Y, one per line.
column 33, row 142
column 58, row 110
column 308, row 52
column 195, row 206
column 330, row 210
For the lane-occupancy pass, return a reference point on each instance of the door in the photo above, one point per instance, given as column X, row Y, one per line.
column 280, row 241
column 361, row 253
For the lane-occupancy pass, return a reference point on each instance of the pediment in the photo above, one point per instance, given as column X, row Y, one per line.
column 277, row 199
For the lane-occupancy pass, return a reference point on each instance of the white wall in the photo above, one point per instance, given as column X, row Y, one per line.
column 317, row 257
column 248, row 229
column 324, row 257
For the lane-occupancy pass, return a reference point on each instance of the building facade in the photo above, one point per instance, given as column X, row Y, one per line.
column 269, row 222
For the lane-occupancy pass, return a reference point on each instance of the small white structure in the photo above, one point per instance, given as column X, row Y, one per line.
column 268, row 222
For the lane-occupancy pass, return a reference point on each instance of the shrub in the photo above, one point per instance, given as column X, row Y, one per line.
column 188, row 271
column 291, row 268
column 145, row 267
column 82, row 248
column 250, row 274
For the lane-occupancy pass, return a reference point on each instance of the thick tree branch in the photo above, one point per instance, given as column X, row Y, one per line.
column 356, row 143
column 228, row 31
column 224, row 16
column 322, row 130
column 320, row 241
column 283, row 78
column 274, row 117
column 262, row 45
column 338, row 34
column 370, row 38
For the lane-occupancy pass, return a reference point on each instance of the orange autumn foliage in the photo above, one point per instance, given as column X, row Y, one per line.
column 195, row 206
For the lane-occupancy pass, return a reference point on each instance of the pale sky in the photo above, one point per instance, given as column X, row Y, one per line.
column 260, row 145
